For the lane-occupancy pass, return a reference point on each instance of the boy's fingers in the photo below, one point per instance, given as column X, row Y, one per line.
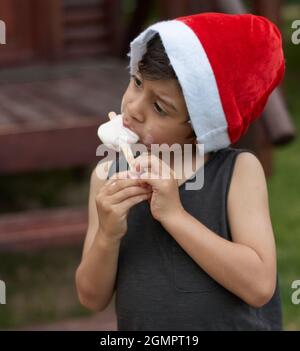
column 128, row 192
column 112, row 181
column 120, row 175
column 131, row 201
column 121, row 181
column 151, row 179
column 152, row 164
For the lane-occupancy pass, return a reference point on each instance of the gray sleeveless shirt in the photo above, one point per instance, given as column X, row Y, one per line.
column 160, row 287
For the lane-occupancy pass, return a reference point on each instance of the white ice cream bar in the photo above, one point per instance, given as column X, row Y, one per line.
column 115, row 136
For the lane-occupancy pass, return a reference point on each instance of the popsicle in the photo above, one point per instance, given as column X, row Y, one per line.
column 114, row 135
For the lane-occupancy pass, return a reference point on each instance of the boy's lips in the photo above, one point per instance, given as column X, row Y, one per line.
column 133, row 130
column 141, row 140
column 129, row 127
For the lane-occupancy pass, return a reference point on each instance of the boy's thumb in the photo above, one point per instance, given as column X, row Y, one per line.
column 149, row 178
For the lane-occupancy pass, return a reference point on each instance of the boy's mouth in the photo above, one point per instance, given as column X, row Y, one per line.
column 126, row 125
column 141, row 140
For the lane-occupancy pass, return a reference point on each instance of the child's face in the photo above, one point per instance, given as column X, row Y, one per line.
column 147, row 112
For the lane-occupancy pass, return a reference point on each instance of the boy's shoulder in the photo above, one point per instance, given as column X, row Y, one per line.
column 247, row 163
column 248, row 182
column 243, row 158
column 239, row 157
column 247, row 168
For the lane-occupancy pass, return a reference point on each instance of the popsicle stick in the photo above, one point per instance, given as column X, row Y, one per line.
column 111, row 115
column 128, row 155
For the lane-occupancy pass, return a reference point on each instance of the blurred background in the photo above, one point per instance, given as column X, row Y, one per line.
column 62, row 69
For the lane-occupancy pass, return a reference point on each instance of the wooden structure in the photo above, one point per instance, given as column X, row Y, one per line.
column 51, row 120
column 56, row 88
column 49, row 114
column 58, row 29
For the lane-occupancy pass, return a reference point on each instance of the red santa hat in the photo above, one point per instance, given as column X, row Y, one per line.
column 227, row 66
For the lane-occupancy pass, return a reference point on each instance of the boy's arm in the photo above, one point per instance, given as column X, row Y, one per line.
column 95, row 276
column 247, row 265
column 95, row 185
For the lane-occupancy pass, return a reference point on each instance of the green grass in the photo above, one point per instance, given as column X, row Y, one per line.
column 284, row 190
column 40, row 287
column 285, row 210
column 44, row 189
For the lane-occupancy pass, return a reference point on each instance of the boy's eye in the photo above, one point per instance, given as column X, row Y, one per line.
column 159, row 109
column 137, row 81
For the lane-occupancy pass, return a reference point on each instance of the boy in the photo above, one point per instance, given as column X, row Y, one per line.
column 189, row 260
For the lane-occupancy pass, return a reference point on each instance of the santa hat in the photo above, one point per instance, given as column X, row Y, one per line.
column 227, row 66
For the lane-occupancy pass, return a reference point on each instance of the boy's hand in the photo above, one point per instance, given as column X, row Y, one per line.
column 114, row 201
column 165, row 200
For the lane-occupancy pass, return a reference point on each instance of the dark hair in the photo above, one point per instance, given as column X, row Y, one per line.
column 155, row 63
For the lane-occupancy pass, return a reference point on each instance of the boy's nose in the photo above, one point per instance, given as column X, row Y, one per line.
column 136, row 118
column 135, row 111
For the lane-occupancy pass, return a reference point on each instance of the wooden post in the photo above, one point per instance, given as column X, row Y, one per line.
column 136, row 23
column 117, row 26
column 170, row 9
column 49, row 28
column 269, row 9
column 196, row 6
column 18, row 19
